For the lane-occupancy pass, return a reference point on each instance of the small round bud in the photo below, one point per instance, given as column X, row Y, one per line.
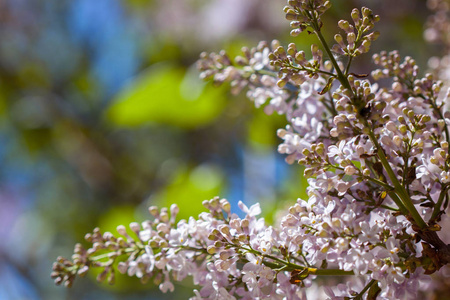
column 174, row 209
column 351, row 37
column 344, row 25
column 397, row 87
column 153, row 210
column 211, row 250
column 281, row 83
column 397, row 140
column 121, row 230
column 366, row 172
column 164, row 217
column 308, row 172
column 403, row 129
column 224, row 229
column 135, row 227
column 349, row 170
column 225, row 205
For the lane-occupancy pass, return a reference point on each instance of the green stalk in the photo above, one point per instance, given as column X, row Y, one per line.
column 365, row 289
column 347, row 69
column 433, row 104
column 341, row 77
column 291, row 266
column 437, row 206
column 399, row 189
column 399, row 202
column 329, row 272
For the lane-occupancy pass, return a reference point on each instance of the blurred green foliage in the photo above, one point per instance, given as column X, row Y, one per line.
column 167, row 95
column 188, row 187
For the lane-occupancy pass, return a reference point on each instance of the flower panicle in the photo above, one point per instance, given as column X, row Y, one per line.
column 377, row 162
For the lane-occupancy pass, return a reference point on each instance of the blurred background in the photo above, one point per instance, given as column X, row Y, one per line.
column 102, row 114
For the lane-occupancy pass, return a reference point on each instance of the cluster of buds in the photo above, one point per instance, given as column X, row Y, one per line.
column 315, row 158
column 65, row 271
column 107, row 248
column 246, row 70
column 305, row 13
column 358, row 37
column 392, row 66
column 293, row 66
column 406, row 80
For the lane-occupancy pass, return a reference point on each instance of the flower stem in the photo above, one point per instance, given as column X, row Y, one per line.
column 288, row 266
column 437, row 206
column 341, row 77
column 364, row 290
column 399, row 189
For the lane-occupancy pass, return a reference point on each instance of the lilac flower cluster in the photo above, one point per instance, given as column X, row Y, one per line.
column 378, row 166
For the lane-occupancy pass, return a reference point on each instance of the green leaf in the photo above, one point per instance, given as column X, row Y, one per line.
column 327, row 86
column 166, row 94
column 262, row 128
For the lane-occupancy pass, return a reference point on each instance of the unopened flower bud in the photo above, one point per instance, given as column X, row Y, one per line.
column 351, row 37
column 153, row 210
column 163, row 244
column 434, row 160
column 102, row 276
column 373, row 36
column 356, row 16
column 366, row 172
column 225, row 205
column 436, row 88
column 425, row 119
column 242, row 238
column 397, row 140
column 338, row 38
column 403, row 129
column 225, row 254
column 214, row 203
column 211, row 250
column 224, row 229
column 344, row 25
column 174, row 209
column 308, row 172
column 164, row 217
column 397, row 87
column 122, row 230
column 417, row 90
column 282, row 82
column 349, row 170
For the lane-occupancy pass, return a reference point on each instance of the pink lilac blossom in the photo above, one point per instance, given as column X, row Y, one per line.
column 378, row 167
